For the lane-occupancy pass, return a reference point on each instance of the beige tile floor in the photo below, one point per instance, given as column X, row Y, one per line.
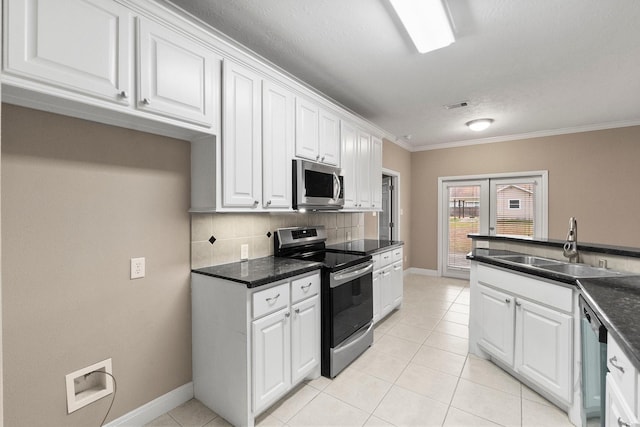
column 417, row 373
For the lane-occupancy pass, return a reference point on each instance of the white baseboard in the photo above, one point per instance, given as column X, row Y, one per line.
column 421, row 271
column 152, row 410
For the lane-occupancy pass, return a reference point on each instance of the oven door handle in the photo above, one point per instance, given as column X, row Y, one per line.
column 353, row 273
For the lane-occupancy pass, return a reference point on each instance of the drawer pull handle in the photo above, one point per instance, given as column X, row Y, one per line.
column 623, row 423
column 613, row 361
column 272, row 300
column 305, row 288
column 507, row 300
column 287, row 314
column 297, row 311
column 146, row 101
column 518, row 303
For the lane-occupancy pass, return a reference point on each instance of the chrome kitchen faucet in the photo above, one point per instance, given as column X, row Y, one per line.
column 570, row 248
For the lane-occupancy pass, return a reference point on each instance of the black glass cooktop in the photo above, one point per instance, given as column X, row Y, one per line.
column 332, row 260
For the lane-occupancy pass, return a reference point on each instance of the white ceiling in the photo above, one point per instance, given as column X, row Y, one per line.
column 536, row 67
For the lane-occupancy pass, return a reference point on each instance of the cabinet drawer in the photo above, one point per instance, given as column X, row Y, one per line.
column 305, row 287
column 386, row 258
column 270, row 300
column 622, row 371
column 377, row 262
column 397, row 255
column 539, row 290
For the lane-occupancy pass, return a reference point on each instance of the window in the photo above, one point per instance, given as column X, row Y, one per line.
column 514, row 203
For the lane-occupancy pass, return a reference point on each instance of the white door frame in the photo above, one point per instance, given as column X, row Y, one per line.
column 544, row 197
column 395, row 203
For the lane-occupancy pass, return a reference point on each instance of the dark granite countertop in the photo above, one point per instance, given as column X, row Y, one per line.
column 616, row 300
column 365, row 246
column 259, row 271
column 588, row 247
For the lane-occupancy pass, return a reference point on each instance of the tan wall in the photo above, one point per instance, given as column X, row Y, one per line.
column 593, row 176
column 396, row 159
column 79, row 199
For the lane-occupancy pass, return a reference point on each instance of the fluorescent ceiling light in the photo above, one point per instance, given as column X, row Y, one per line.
column 479, row 124
column 426, row 22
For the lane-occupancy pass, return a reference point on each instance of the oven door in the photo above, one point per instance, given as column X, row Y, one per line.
column 351, row 301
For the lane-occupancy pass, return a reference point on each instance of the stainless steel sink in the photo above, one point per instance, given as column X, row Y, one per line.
column 581, row 270
column 528, row 260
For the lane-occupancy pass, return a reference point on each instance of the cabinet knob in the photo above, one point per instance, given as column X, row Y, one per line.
column 287, row 314
column 318, row 156
column 518, row 303
column 507, row 300
column 268, row 202
column 146, row 101
column 614, row 362
column 297, row 311
column 255, row 203
column 322, row 159
column 123, row 94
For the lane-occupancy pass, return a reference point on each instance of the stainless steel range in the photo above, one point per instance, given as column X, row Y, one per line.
column 346, row 296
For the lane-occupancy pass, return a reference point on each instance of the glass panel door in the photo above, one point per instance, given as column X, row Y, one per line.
column 516, row 207
column 465, row 212
column 386, row 216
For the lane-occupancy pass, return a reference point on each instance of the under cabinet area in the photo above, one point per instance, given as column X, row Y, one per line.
column 387, row 282
column 253, row 345
column 525, row 324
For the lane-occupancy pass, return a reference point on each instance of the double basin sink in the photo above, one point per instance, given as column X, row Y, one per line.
column 574, row 270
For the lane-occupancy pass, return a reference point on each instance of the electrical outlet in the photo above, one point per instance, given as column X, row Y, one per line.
column 88, row 384
column 348, row 235
column 137, row 268
column 244, row 251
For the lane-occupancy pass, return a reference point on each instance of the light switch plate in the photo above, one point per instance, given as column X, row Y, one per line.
column 137, row 268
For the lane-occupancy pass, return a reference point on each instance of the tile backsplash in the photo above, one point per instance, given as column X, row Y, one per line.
column 216, row 238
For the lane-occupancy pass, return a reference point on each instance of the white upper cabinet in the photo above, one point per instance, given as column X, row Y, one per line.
column 307, row 134
column 376, row 173
column 317, row 133
column 176, row 75
column 78, row 45
column 241, row 142
column 349, row 168
column 329, row 141
column 278, row 118
column 363, row 169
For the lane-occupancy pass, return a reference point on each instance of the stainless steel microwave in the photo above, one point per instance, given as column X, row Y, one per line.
column 316, row 186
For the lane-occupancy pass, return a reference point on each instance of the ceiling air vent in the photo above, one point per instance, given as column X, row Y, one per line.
column 457, row 105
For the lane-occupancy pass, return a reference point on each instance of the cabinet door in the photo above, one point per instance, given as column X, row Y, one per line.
column 364, row 170
column 376, row 173
column 377, row 296
column 277, row 144
column 305, row 338
column 617, row 413
column 271, row 358
column 349, row 169
column 329, row 145
column 543, row 347
column 241, row 141
column 307, row 133
column 387, row 291
column 397, row 279
column 176, row 76
column 497, row 321
column 79, row 45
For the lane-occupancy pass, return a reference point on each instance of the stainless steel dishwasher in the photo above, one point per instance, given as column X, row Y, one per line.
column 594, row 366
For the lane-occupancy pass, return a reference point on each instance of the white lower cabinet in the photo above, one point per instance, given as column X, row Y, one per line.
column 621, row 389
column 252, row 346
column 527, row 325
column 387, row 283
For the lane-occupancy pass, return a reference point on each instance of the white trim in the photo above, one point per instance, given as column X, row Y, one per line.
column 528, row 135
column 422, row 272
column 152, row 410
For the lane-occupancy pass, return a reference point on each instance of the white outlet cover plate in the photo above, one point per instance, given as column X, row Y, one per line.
column 137, row 268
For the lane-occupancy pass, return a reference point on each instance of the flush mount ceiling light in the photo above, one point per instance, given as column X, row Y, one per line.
column 479, row 124
column 426, row 22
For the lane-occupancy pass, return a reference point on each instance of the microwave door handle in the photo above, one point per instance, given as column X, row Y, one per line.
column 336, row 194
